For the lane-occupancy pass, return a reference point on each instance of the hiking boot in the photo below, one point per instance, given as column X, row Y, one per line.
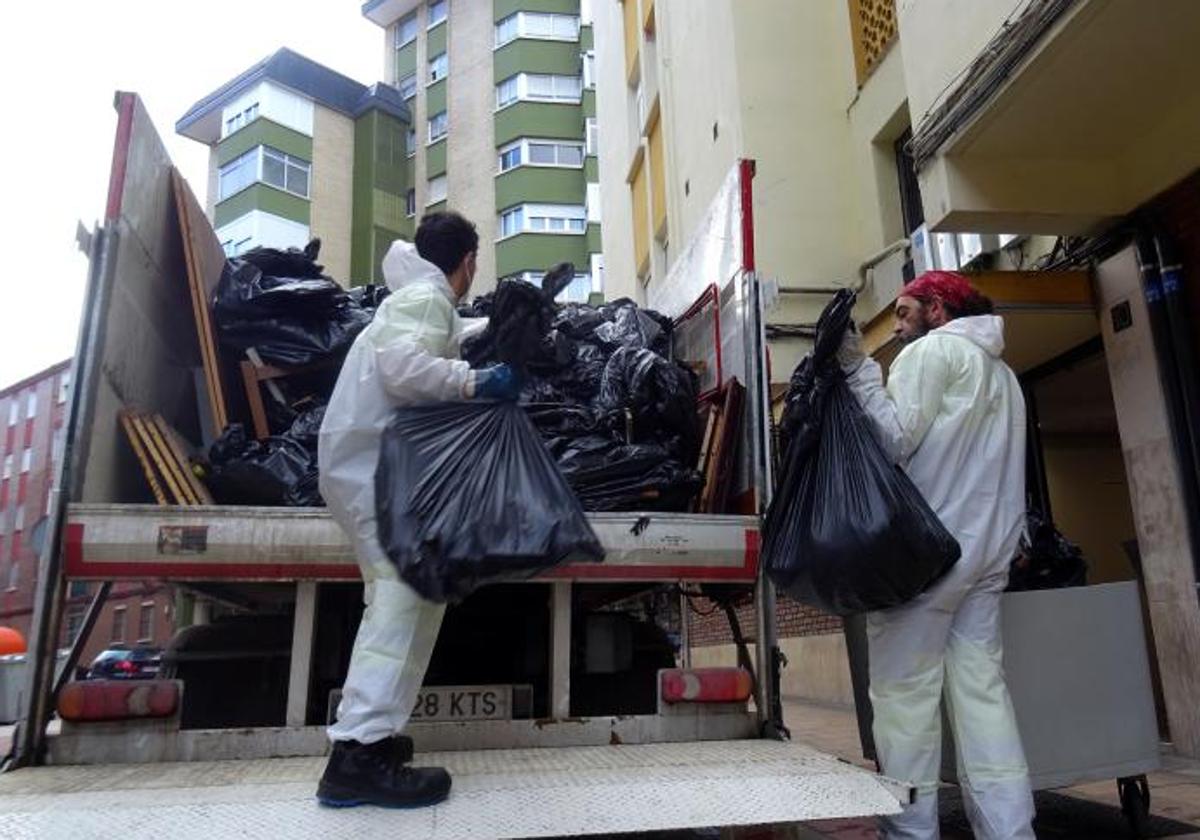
column 373, row 774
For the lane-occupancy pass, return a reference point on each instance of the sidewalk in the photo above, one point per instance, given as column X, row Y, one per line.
column 1086, row 812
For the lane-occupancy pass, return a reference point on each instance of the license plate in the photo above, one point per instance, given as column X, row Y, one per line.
column 467, row 702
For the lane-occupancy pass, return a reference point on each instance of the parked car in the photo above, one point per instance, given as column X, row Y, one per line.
column 120, row 662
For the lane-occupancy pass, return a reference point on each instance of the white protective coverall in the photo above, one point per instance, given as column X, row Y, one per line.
column 406, row 356
column 953, row 416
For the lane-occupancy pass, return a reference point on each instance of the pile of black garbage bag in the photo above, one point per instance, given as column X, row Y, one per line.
column 280, row 470
column 847, row 532
column 281, row 304
column 618, row 416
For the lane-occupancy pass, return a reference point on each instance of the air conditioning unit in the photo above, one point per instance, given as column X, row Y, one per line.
column 974, row 245
column 933, row 251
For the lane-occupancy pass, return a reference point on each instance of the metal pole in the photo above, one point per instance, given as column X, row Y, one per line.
column 77, row 644
column 48, row 594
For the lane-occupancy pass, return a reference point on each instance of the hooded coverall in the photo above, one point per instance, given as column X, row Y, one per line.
column 406, row 356
column 953, row 416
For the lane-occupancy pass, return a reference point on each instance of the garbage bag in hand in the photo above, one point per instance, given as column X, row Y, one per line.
column 847, row 531
column 466, row 494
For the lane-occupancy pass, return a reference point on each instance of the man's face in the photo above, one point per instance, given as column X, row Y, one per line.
column 914, row 319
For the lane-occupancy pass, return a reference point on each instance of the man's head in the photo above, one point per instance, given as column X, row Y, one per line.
column 450, row 242
column 933, row 300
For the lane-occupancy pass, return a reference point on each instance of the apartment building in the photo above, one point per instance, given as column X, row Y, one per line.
column 503, row 101
column 301, row 151
column 34, row 410
column 1023, row 141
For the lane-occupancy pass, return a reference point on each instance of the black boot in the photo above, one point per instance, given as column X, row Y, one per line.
column 362, row 774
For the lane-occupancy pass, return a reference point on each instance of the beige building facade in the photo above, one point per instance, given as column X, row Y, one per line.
column 1023, row 141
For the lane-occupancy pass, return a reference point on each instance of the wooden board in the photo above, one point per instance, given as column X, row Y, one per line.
column 205, row 260
column 139, row 450
column 179, row 453
column 731, row 413
column 175, row 468
column 174, row 482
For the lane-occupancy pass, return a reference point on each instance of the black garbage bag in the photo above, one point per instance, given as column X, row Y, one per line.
column 610, row 476
column 578, row 320
column 273, row 471
column 466, row 494
column 557, row 279
column 289, row 262
column 480, row 307
column 289, row 320
column 847, row 531
column 660, row 395
column 520, row 318
column 627, row 325
column 307, row 426
column 1047, row 559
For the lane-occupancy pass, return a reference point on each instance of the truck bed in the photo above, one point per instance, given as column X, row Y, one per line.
column 497, row 794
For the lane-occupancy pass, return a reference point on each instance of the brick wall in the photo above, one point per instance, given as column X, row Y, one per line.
column 708, row 625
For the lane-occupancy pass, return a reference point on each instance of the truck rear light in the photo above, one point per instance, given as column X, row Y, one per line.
column 96, row 700
column 705, row 685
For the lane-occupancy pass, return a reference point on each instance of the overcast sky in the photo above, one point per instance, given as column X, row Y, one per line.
column 60, row 63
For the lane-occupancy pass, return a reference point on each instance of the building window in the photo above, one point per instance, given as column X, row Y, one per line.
column 576, row 291
column 57, row 446
column 118, row 628
column 13, row 411
column 64, row 386
column 8, row 465
column 506, row 94
column 77, row 589
column 542, row 25
column 241, row 119
column 146, row 622
column 49, row 498
column 525, row 152
column 410, row 142
column 439, row 66
column 14, row 574
column 593, row 136
column 285, row 172
column 19, row 520
column 31, row 405
column 74, row 623
column 406, row 30
column 437, row 12
column 26, row 459
column 408, row 86
column 543, row 218
column 238, row 174
column 410, row 203
column 436, row 191
column 538, row 87
column 437, row 126
column 267, row 165
column 512, row 222
column 589, row 70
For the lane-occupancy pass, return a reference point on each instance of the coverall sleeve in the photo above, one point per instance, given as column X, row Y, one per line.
column 903, row 411
column 411, row 342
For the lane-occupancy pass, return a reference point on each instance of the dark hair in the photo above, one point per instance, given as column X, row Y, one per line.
column 445, row 239
column 975, row 303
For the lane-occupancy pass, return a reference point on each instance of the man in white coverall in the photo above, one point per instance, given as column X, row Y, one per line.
column 953, row 416
column 408, row 355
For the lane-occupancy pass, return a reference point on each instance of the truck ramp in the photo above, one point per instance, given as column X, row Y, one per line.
column 528, row 793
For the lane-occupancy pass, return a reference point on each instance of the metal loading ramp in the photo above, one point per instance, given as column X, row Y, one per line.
column 497, row 794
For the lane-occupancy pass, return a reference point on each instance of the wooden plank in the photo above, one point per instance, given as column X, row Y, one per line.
column 174, row 483
column 711, row 413
column 258, row 411
column 177, row 470
column 205, row 259
column 143, row 458
column 735, row 394
column 712, row 476
column 179, row 452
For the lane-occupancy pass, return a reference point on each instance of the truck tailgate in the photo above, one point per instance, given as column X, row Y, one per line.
column 255, row 543
column 529, row 793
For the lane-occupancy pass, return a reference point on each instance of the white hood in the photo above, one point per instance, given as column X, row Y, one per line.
column 985, row 330
column 403, row 266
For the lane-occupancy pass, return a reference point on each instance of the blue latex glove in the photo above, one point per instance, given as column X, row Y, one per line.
column 498, row 382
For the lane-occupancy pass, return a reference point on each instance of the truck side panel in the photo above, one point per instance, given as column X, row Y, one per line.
column 148, row 347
